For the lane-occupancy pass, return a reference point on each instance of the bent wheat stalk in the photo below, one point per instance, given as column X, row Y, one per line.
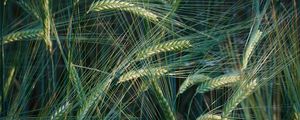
column 123, row 6
column 156, row 71
column 218, row 82
column 192, row 80
column 27, row 34
column 173, row 45
column 238, row 97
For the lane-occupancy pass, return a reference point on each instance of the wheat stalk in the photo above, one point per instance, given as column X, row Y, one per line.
column 192, row 80
column 218, row 82
column 173, row 45
column 34, row 33
column 163, row 102
column 238, row 97
column 134, row 74
column 209, row 117
column 123, row 6
column 250, row 48
column 46, row 19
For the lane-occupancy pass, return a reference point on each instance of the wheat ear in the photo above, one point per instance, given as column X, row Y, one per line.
column 209, row 117
column 60, row 111
column 192, row 80
column 46, row 19
column 163, row 102
column 296, row 116
column 250, row 48
column 173, row 45
column 93, row 99
column 29, row 8
column 75, row 79
column 133, row 74
column 218, row 82
column 34, row 33
column 123, row 6
column 238, row 97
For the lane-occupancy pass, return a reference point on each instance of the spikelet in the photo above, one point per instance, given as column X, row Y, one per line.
column 238, row 97
column 209, row 117
column 157, row 71
column 173, row 45
column 250, row 48
column 60, row 111
column 123, row 6
column 192, row 80
column 218, row 82
column 27, row 34
column 163, row 102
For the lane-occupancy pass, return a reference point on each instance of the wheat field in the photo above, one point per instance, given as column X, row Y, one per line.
column 150, row 59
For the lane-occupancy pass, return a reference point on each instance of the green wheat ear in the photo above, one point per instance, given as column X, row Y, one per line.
column 169, row 115
column 133, row 74
column 250, row 48
column 209, row 117
column 174, row 45
column 218, row 82
column 46, row 20
column 238, row 97
column 192, row 80
column 60, row 111
column 27, row 34
column 123, row 6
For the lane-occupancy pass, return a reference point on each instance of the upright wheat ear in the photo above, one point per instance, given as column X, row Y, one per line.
column 46, row 19
column 123, row 6
column 142, row 72
column 28, row 34
column 209, row 117
column 192, row 80
column 218, row 82
column 173, row 45
column 238, row 97
column 250, row 48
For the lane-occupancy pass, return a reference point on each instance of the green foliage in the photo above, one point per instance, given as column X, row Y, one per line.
column 150, row 59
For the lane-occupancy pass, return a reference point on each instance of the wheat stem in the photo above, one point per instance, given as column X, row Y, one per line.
column 123, row 6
